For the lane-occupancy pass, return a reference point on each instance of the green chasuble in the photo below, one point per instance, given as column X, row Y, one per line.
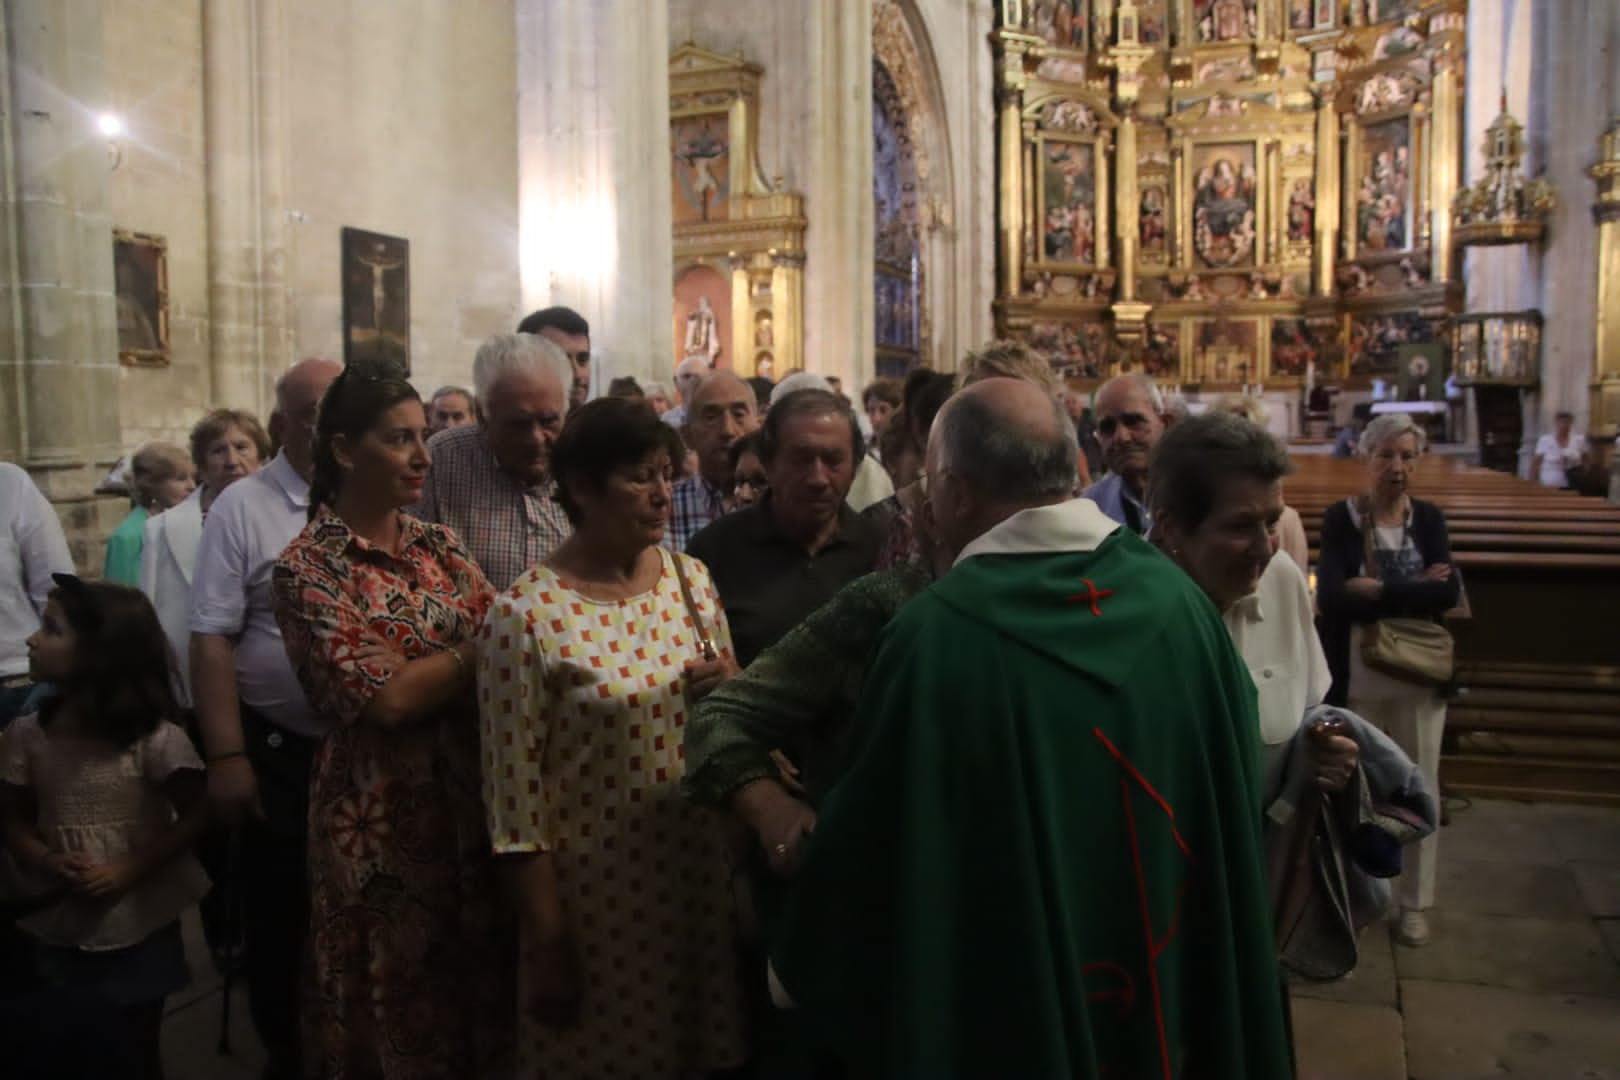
column 123, row 562
column 1046, row 857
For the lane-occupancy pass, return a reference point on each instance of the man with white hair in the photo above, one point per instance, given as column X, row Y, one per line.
column 688, row 375
column 872, row 482
column 1047, row 859
column 491, row 483
column 258, row 734
column 1130, row 418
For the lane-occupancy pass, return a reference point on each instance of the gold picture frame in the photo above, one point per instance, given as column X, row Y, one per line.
column 141, row 291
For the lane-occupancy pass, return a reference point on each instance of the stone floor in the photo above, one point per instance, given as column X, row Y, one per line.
column 1521, row 979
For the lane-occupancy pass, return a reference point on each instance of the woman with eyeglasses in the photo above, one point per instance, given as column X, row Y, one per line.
column 588, row 669
column 749, row 482
column 1410, row 576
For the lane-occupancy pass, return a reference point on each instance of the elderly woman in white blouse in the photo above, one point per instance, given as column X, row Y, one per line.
column 226, row 445
column 1216, row 494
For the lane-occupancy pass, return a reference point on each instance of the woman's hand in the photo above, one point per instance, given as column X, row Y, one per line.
column 374, row 650
column 702, row 676
column 1438, row 572
column 1335, row 757
column 70, row 866
column 1364, row 588
column 556, row 983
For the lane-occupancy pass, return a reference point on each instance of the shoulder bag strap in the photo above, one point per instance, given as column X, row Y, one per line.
column 705, row 643
column 1368, row 525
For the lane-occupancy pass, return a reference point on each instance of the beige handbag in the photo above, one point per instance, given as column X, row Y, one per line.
column 1416, row 651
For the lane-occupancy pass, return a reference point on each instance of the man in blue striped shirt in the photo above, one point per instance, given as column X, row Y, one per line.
column 719, row 412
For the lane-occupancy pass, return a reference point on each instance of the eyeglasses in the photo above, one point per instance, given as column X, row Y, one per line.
column 1135, row 421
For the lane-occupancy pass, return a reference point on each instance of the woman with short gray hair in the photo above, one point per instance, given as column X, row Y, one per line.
column 1408, row 575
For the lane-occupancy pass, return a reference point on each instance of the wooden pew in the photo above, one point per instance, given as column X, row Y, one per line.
column 1537, row 713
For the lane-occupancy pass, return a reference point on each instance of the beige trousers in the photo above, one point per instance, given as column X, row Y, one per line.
column 1416, row 724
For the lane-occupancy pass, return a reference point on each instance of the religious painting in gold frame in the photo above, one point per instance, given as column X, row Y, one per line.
column 1385, row 190
column 700, row 166
column 1070, row 217
column 141, row 291
column 1224, row 196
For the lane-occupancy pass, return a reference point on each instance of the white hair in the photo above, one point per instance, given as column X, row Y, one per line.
column 651, row 390
column 518, row 354
column 1387, row 426
column 800, row 380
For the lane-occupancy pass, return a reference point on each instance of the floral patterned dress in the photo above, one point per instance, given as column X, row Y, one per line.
column 411, row 957
column 583, row 713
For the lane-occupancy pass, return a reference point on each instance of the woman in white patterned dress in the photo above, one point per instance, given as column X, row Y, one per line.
column 586, row 671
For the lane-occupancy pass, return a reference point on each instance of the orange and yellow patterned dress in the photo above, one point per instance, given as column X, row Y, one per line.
column 583, row 712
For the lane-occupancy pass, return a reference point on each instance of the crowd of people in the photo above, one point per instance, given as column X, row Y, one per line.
column 725, row 730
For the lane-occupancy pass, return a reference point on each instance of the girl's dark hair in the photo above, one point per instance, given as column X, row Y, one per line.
column 749, row 444
column 603, row 436
column 122, row 669
column 351, row 405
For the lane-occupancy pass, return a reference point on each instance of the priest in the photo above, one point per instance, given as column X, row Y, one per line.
column 1046, row 857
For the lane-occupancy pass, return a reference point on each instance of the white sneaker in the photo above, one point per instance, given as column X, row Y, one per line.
column 1413, row 928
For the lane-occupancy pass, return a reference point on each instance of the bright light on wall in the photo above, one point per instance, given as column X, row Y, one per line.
column 568, row 246
column 111, row 125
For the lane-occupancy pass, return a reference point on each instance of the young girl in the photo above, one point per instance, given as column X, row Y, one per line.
column 101, row 799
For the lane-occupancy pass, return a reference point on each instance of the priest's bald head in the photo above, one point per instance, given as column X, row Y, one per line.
column 1000, row 446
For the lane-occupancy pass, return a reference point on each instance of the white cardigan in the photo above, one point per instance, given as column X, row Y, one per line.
column 167, row 561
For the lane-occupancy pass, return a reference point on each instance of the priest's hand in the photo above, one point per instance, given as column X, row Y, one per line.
column 780, row 821
column 702, row 676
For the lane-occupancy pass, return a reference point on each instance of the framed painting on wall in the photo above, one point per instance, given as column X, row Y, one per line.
column 1228, row 350
column 376, row 274
column 1225, row 20
column 1069, row 201
column 1225, row 204
column 700, row 167
column 1293, row 351
column 1384, row 216
column 141, row 289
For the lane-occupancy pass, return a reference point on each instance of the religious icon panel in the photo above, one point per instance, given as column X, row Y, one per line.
column 1069, row 202
column 1224, row 204
column 1384, row 190
column 1225, row 20
column 701, row 164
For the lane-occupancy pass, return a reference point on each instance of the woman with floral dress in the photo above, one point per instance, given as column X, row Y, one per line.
column 587, row 671
column 379, row 612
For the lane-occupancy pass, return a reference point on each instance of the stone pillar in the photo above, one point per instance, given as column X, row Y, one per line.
column 61, row 277
column 595, row 219
column 1327, row 190
column 250, row 337
column 840, row 337
column 1604, row 388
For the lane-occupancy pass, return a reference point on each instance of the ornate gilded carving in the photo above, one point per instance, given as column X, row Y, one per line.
column 1502, row 207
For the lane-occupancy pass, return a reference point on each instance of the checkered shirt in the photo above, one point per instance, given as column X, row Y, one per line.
column 507, row 527
column 694, row 504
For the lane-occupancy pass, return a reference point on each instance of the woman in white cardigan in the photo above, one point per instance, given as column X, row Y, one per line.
column 226, row 445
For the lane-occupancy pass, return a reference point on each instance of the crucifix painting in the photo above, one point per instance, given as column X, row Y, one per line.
column 701, row 162
column 376, row 273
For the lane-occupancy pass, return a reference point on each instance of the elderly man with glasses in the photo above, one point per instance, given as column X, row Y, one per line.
column 1130, row 418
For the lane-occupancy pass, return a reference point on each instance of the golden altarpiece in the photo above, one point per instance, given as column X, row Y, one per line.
column 1226, row 193
column 739, row 240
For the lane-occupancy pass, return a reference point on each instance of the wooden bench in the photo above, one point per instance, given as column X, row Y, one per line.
column 1537, row 712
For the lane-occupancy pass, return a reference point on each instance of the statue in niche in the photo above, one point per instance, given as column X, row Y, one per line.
column 703, row 333
column 1226, row 20
column 1152, row 221
column 1301, row 211
column 763, row 335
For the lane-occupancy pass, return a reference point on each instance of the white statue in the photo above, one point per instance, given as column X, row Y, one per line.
column 703, row 332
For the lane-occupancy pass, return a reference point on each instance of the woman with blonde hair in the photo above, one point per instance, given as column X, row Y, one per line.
column 1290, row 530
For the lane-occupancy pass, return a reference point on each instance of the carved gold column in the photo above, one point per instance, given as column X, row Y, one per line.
column 1128, row 209
column 1327, row 192
column 1444, row 158
column 1605, row 386
column 1010, row 95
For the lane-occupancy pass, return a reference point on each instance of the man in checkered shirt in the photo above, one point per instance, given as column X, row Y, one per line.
column 721, row 410
column 491, row 483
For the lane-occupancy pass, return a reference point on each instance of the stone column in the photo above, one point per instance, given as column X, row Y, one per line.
column 840, row 337
column 1327, row 190
column 61, row 279
column 250, row 337
column 595, row 219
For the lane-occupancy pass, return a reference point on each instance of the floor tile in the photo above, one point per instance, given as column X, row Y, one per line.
column 1493, row 830
column 1456, row 1031
column 1534, row 955
column 1588, row 833
column 1338, row 1040
column 1484, row 887
column 1599, row 884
